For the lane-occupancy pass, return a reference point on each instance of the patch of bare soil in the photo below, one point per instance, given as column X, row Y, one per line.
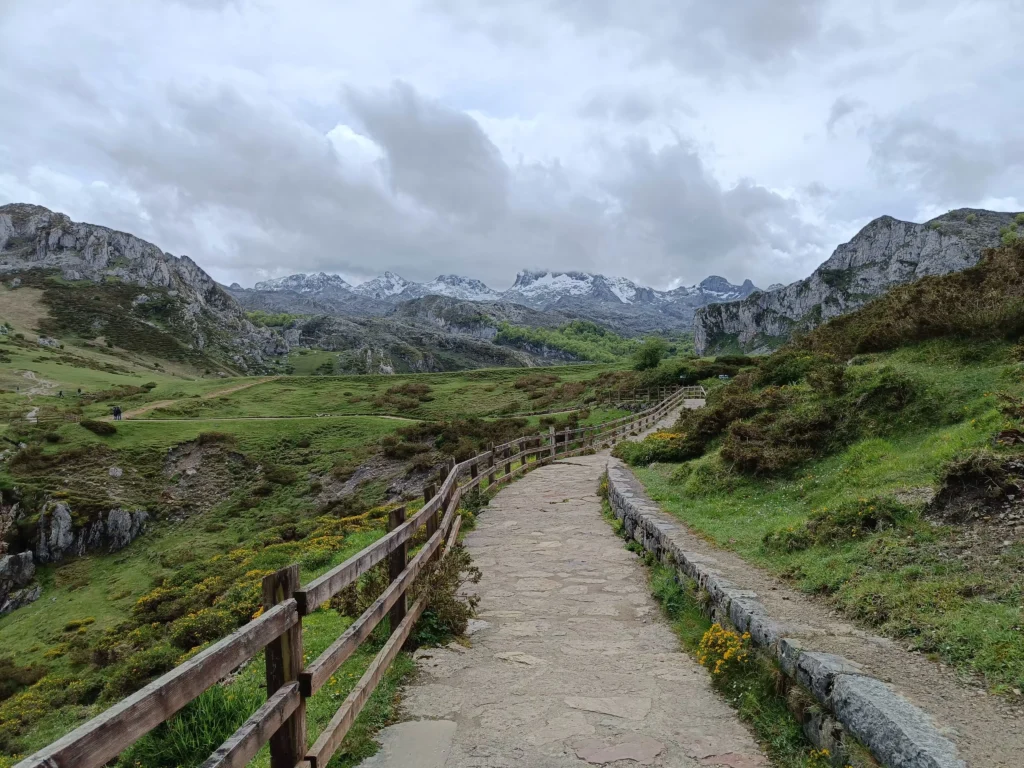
column 405, row 480
column 200, row 476
column 983, row 497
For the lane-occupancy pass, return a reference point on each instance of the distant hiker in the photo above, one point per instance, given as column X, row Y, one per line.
column 117, row 413
column 79, row 391
column 61, row 393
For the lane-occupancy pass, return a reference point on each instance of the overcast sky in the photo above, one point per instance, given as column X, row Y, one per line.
column 660, row 140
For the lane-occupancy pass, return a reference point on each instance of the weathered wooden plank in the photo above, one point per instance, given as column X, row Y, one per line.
column 321, row 752
column 453, row 537
column 107, row 735
column 398, row 562
column 319, row 671
column 283, row 664
column 322, row 589
column 243, row 745
column 325, row 747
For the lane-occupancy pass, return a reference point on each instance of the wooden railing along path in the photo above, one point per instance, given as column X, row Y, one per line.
column 281, row 721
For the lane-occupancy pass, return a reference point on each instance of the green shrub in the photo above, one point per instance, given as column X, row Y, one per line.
column 649, row 354
column 784, row 367
column 138, row 669
column 14, row 677
column 200, row 628
column 213, row 438
column 449, row 608
column 101, row 428
column 847, row 521
column 280, row 475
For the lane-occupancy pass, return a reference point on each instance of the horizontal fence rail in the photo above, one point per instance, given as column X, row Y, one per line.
column 281, row 721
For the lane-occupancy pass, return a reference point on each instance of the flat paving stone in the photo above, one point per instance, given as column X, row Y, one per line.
column 575, row 665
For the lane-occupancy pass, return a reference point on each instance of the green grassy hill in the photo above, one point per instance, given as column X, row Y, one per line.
column 238, row 476
column 878, row 462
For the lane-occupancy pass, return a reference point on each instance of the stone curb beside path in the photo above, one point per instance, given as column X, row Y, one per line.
column 898, row 734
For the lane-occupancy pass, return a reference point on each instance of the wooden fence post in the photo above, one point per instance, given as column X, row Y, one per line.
column 490, row 465
column 428, row 494
column 507, row 456
column 396, row 564
column 551, row 436
column 473, row 471
column 284, row 662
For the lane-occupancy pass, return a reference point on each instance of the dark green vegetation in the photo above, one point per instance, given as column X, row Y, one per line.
column 271, row 319
column 649, row 354
column 589, row 341
column 582, row 339
column 877, row 463
column 146, row 321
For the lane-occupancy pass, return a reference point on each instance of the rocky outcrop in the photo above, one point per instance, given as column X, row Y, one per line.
column 206, row 316
column 886, row 253
column 16, row 587
column 59, row 535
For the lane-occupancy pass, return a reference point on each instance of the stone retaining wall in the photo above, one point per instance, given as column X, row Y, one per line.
column 897, row 733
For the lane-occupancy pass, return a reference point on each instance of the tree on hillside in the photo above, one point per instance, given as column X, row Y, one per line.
column 650, row 353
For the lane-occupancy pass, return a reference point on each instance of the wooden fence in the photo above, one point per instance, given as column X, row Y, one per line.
column 281, row 721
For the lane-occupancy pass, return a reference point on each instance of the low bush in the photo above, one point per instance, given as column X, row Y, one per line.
column 449, row 608
column 845, row 522
column 214, row 438
column 101, row 428
column 14, row 677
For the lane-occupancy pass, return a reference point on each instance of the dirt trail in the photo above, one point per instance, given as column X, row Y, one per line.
column 208, row 396
column 42, row 386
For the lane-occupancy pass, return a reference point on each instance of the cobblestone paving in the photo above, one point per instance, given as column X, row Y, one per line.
column 571, row 662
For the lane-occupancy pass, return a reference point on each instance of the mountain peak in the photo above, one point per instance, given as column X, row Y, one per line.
column 383, row 287
column 303, row 283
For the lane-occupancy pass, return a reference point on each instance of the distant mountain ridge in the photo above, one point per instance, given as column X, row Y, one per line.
column 885, row 253
column 615, row 301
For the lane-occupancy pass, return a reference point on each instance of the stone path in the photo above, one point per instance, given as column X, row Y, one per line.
column 571, row 663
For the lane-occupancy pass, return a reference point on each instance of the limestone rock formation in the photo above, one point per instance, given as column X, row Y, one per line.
column 886, row 253
column 16, row 587
column 206, row 317
column 58, row 535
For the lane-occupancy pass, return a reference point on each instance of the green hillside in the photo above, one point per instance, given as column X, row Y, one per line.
column 878, row 462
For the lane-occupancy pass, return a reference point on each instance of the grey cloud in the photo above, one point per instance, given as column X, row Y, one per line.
column 940, row 164
column 624, row 108
column 437, row 155
column 841, row 107
column 710, row 38
column 631, row 107
column 669, row 195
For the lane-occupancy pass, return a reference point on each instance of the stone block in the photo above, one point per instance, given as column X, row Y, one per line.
column 896, row 732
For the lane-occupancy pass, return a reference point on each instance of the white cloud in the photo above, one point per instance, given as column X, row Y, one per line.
column 660, row 139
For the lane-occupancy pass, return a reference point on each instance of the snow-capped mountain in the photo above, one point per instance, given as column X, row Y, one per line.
column 545, row 289
column 301, row 283
column 459, row 288
column 615, row 301
column 715, row 289
column 384, row 287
